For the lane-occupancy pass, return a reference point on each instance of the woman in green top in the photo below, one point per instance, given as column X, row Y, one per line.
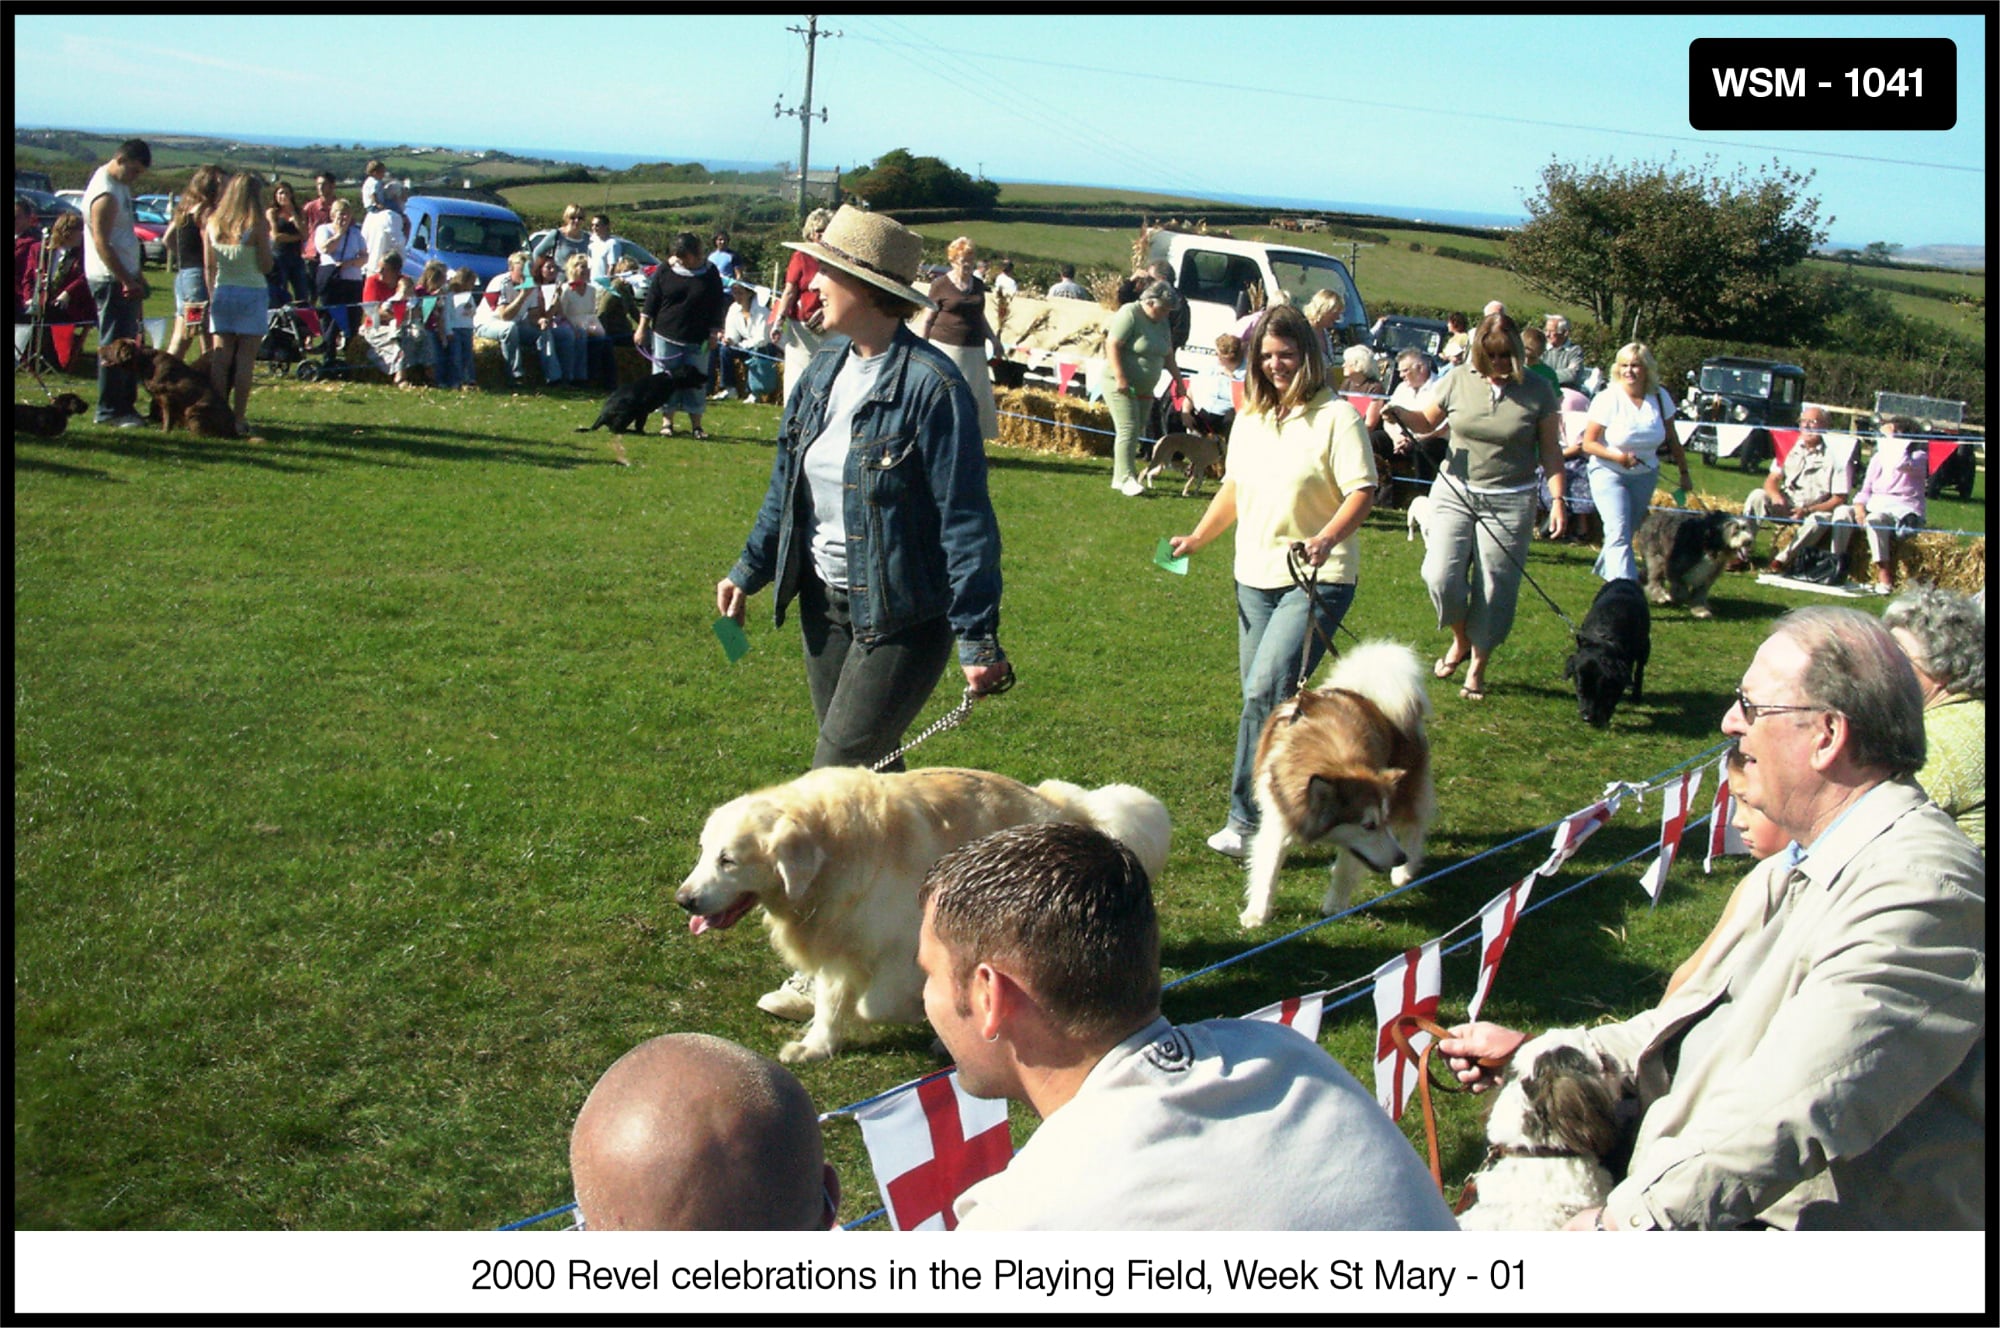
column 1137, row 346
column 1503, row 422
column 1944, row 634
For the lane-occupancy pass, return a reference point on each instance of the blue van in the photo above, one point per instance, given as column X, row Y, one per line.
column 461, row 233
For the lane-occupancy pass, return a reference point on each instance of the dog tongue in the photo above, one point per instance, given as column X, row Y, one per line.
column 697, row 925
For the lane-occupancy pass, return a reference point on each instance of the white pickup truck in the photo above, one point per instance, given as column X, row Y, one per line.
column 1212, row 274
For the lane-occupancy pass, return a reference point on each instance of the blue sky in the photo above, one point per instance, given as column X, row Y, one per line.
column 1456, row 111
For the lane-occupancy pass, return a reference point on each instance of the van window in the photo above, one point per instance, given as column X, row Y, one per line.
column 1300, row 275
column 1218, row 278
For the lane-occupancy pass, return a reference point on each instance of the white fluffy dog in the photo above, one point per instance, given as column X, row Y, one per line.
column 1418, row 522
column 1552, row 1124
column 836, row 857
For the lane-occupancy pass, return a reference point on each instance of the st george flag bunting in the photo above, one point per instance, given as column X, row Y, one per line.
column 1300, row 1013
column 1496, row 928
column 1723, row 838
column 1065, row 371
column 1729, row 437
column 930, row 1145
column 1407, row 984
column 1576, row 828
column 1673, row 820
column 1782, row 440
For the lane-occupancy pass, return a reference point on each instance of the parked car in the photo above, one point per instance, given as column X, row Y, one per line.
column 625, row 249
column 151, row 227
column 73, row 197
column 1731, row 389
column 47, row 206
column 461, row 232
column 38, row 180
column 1394, row 334
column 1214, row 276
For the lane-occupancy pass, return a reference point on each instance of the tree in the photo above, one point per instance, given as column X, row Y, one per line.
column 898, row 180
column 1658, row 247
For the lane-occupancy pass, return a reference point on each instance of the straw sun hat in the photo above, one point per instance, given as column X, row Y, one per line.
column 877, row 249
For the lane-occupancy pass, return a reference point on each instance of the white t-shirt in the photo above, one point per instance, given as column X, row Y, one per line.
column 1228, row 1124
column 124, row 240
column 383, row 230
column 826, row 465
column 1637, row 427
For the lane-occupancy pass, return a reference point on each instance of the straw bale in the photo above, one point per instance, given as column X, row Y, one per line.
column 1044, row 422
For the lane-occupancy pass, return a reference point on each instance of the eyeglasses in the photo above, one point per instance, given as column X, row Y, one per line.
column 1753, row 710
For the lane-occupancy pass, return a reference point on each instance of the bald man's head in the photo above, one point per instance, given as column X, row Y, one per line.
column 693, row 1133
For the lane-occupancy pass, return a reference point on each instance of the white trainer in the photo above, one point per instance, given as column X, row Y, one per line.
column 792, row 999
column 1228, row 841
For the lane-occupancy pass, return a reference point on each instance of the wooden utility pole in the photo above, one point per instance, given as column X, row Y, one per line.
column 812, row 32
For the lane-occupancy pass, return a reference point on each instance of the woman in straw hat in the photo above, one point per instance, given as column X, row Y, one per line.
column 877, row 520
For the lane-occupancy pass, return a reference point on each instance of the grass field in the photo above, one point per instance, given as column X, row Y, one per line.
column 355, row 768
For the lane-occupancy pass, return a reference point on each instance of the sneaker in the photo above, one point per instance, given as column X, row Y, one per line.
column 792, row 999
column 1228, row 841
column 129, row 420
column 1880, row 589
column 724, row 395
column 1130, row 487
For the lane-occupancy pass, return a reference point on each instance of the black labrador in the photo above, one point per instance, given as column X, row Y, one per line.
column 626, row 409
column 1611, row 651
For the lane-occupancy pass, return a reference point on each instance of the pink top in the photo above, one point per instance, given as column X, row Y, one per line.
column 1896, row 475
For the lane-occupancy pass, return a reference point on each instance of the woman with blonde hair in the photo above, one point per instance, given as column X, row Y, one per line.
column 1630, row 429
column 576, row 304
column 1300, row 471
column 958, row 327
column 1323, row 310
column 236, row 260
column 1503, row 423
column 795, row 316
column 187, row 258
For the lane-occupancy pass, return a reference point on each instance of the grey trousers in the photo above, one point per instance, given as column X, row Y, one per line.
column 1468, row 569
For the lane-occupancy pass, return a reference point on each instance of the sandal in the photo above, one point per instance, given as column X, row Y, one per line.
column 699, row 435
column 666, row 428
column 1446, row 666
column 1471, row 693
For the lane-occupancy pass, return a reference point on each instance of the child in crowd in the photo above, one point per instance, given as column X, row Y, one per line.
column 460, row 305
column 1211, row 402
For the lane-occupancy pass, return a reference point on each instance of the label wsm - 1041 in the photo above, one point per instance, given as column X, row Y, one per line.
column 1824, row 83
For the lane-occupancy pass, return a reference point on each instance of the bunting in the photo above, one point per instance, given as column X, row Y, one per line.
column 1673, row 821
column 1723, row 838
column 1407, row 984
column 930, row 1145
column 1299, row 1013
column 1496, row 928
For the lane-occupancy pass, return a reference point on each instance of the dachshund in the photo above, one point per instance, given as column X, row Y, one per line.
column 48, row 421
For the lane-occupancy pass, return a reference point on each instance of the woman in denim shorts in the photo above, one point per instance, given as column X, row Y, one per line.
column 184, row 255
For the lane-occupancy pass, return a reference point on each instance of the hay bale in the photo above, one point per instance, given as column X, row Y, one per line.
column 1941, row 560
column 1045, row 422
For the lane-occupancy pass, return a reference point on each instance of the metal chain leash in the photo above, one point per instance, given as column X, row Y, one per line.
column 950, row 719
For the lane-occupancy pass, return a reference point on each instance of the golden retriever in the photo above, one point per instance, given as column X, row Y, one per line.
column 1347, row 762
column 836, row 857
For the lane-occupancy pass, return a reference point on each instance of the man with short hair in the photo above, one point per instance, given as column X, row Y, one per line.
column 1416, row 389
column 1561, row 355
column 1004, row 283
column 1824, row 1066
column 1069, row 288
column 316, row 212
column 1805, row 482
column 111, row 264
column 688, row 1132
column 722, row 258
column 381, row 229
column 1041, row 960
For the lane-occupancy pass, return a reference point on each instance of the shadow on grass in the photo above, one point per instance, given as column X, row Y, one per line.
column 1021, row 460
column 45, row 466
column 292, row 450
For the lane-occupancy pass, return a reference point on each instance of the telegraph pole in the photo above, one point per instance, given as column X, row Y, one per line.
column 812, row 32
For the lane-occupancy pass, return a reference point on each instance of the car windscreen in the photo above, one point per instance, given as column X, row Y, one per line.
column 1402, row 337
column 1301, row 276
column 1736, row 382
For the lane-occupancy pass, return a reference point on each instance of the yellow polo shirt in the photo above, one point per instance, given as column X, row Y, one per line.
column 1290, row 480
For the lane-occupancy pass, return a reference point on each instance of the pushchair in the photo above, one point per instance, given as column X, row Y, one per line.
column 286, row 339
column 296, row 333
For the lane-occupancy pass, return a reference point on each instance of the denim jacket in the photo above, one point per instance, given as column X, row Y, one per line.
column 922, row 541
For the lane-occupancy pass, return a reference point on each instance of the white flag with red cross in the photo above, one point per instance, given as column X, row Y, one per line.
column 1407, row 984
column 1723, row 837
column 1496, row 928
column 1673, row 821
column 1299, row 1013
column 931, row 1144
column 1575, row 828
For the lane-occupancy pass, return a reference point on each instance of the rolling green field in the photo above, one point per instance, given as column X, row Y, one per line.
column 356, row 765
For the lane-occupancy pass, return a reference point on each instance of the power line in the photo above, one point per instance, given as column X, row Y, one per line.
column 1456, row 113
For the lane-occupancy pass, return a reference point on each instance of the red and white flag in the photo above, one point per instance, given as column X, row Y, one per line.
column 1576, row 828
column 1407, row 984
column 1496, row 928
column 1673, row 820
column 1300, row 1013
column 1782, row 441
column 930, row 1145
column 1723, row 838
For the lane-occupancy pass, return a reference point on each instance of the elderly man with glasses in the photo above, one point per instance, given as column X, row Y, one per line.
column 1824, row 1063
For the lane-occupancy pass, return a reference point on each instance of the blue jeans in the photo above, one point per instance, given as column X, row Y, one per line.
column 458, row 358
column 666, row 354
column 1271, row 630
column 117, row 316
column 556, row 344
column 508, row 336
column 287, row 278
column 1622, row 497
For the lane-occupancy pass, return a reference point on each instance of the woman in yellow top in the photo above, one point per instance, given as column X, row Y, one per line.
column 1300, row 471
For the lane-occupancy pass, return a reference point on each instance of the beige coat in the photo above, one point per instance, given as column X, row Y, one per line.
column 1831, row 1048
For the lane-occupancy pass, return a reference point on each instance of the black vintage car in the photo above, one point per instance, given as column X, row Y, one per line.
column 1734, row 390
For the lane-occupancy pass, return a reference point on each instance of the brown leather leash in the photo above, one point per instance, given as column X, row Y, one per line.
column 1400, row 1036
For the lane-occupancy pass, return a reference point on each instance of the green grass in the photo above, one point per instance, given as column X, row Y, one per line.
column 354, row 770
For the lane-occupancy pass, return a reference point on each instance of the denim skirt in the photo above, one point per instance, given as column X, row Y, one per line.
column 190, row 287
column 239, row 310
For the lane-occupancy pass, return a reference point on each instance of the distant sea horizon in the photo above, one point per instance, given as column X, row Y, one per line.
column 619, row 161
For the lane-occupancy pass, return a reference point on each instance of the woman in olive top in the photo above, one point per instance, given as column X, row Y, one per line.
column 1137, row 345
column 1503, row 423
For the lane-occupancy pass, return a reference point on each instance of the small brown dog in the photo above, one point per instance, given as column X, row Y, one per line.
column 48, row 421
column 1195, row 452
column 182, row 393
